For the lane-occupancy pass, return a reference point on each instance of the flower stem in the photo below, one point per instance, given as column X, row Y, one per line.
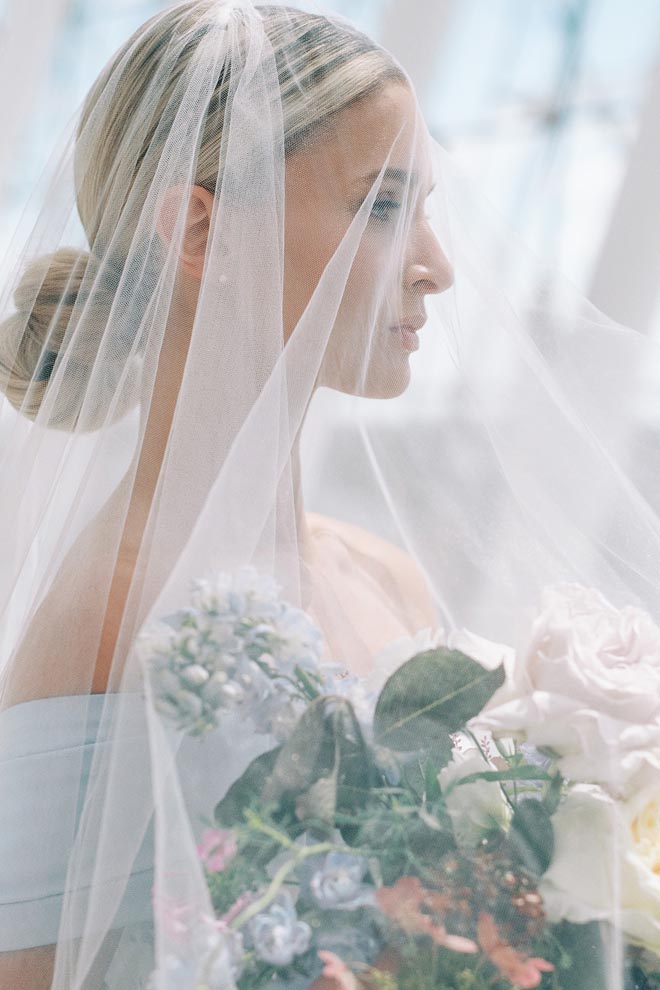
column 278, row 880
column 310, row 687
column 486, row 758
column 270, row 894
column 256, row 824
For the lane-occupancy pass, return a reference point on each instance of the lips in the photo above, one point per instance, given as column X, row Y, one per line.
column 407, row 331
column 413, row 323
column 407, row 336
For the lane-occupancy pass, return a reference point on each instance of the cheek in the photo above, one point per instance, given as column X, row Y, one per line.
column 313, row 232
column 308, row 248
column 373, row 281
column 362, row 357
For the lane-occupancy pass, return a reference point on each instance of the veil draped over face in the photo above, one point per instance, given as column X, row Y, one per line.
column 262, row 322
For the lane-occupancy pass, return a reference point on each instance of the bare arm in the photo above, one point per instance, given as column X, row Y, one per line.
column 33, row 969
column 30, row 969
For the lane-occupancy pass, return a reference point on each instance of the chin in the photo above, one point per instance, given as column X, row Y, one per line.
column 391, row 386
column 380, row 372
column 378, row 385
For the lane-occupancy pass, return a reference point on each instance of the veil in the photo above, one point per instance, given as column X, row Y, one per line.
column 263, row 346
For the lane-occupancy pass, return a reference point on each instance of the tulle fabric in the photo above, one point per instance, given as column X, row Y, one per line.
column 503, row 456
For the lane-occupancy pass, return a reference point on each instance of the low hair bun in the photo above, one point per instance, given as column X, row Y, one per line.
column 31, row 338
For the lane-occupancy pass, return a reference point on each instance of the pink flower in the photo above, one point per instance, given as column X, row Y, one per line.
column 216, row 849
column 513, row 965
column 419, row 911
column 457, row 943
column 335, row 969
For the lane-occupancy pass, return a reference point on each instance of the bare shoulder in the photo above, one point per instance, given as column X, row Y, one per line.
column 403, row 570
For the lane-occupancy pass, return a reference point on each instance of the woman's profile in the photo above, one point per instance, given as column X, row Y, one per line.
column 260, row 327
column 210, row 229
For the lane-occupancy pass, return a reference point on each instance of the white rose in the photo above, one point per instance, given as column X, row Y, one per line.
column 606, row 864
column 474, row 808
column 588, row 687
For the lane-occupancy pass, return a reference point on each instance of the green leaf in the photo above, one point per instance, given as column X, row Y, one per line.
column 531, row 836
column 324, row 767
column 243, row 793
column 327, row 743
column 554, row 792
column 584, row 946
column 420, row 770
column 515, row 773
column 319, row 802
column 433, row 766
column 431, row 696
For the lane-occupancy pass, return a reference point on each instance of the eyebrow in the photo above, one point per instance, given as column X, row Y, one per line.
column 397, row 174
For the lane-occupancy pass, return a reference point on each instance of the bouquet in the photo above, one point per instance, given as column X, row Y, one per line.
column 489, row 819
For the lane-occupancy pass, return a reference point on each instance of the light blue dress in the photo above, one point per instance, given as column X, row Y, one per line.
column 46, row 750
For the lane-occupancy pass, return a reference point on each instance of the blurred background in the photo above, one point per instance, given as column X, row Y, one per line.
column 552, row 106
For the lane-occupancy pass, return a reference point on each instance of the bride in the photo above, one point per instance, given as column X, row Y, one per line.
column 243, row 177
column 236, row 261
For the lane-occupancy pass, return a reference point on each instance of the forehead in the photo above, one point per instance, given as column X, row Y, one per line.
column 383, row 128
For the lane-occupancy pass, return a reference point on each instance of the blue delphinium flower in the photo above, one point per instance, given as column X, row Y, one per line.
column 337, row 883
column 277, row 933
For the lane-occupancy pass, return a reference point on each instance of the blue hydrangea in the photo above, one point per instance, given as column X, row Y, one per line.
column 337, row 884
column 235, row 649
column 278, row 935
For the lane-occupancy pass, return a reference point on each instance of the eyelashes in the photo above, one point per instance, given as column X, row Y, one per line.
column 384, row 209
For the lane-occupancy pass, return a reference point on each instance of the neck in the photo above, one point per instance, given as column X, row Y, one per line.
column 142, row 477
column 149, row 466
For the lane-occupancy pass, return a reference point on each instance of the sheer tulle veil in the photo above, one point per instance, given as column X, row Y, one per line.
column 263, row 321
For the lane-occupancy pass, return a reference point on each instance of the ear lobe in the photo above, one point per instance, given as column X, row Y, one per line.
column 184, row 217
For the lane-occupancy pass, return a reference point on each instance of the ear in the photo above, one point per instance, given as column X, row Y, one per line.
column 184, row 216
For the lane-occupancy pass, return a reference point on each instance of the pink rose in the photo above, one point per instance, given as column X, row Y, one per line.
column 587, row 686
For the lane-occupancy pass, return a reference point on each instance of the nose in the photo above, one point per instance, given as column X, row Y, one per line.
column 428, row 269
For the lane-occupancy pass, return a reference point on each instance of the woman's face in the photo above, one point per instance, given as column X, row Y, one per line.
column 396, row 259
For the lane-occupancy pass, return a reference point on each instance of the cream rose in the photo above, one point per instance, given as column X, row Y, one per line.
column 478, row 807
column 606, row 864
column 587, row 686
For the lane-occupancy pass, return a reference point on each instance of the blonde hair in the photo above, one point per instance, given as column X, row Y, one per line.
column 324, row 65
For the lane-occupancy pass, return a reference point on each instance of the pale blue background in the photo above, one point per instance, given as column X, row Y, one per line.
column 538, row 99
